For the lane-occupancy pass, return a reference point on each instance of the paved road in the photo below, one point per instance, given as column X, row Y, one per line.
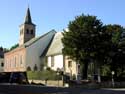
column 28, row 89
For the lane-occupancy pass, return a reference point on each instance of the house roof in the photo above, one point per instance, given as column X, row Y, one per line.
column 33, row 40
column 56, row 45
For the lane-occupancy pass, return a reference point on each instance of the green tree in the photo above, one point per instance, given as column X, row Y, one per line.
column 4, row 50
column 14, row 46
column 86, row 40
column 116, row 31
column 1, row 48
column 115, row 56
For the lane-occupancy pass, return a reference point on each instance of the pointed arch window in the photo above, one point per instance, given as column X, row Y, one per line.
column 31, row 32
column 27, row 31
column 21, row 61
column 52, row 61
column 15, row 62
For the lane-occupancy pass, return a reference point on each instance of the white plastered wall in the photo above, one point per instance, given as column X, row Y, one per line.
column 58, row 62
column 34, row 51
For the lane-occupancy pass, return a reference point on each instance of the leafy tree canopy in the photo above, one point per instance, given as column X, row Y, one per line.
column 87, row 37
column 115, row 30
column 86, row 40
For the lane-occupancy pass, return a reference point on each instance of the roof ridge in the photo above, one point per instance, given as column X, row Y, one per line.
column 27, row 45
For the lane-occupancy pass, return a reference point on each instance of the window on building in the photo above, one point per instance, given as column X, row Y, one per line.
column 78, row 68
column 52, row 61
column 8, row 62
column 2, row 64
column 27, row 31
column 69, row 64
column 21, row 60
column 31, row 31
column 15, row 62
column 9, row 65
column 35, row 68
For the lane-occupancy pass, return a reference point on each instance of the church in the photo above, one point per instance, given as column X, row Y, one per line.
column 33, row 52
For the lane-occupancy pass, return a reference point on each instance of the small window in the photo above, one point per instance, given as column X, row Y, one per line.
column 69, row 64
column 52, row 61
column 15, row 62
column 27, row 31
column 78, row 68
column 2, row 64
column 21, row 60
column 31, row 31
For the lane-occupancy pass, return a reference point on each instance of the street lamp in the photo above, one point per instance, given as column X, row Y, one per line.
column 113, row 83
column 58, row 72
column 62, row 74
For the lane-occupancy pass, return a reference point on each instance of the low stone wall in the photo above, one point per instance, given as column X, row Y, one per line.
column 109, row 84
column 84, row 85
column 48, row 82
column 99, row 85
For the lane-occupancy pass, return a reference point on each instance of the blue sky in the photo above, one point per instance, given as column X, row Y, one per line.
column 54, row 14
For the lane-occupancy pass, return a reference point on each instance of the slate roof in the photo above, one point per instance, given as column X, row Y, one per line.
column 56, row 45
column 33, row 40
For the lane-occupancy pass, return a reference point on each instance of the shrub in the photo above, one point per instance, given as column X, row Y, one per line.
column 42, row 75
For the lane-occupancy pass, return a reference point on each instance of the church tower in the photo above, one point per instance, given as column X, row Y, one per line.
column 27, row 29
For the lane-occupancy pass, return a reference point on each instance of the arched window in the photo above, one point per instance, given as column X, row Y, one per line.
column 27, row 31
column 52, row 61
column 21, row 60
column 15, row 62
column 31, row 32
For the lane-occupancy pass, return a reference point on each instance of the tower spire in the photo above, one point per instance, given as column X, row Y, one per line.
column 28, row 19
column 27, row 29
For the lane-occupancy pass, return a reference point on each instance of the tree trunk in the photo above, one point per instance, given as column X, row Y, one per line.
column 84, row 70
